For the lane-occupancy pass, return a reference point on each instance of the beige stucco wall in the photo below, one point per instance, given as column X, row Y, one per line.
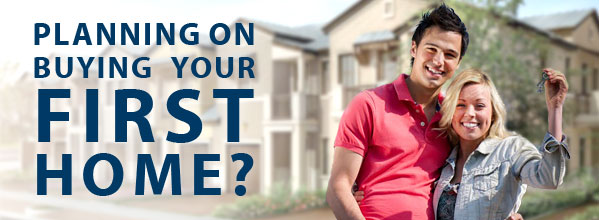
column 581, row 37
column 370, row 18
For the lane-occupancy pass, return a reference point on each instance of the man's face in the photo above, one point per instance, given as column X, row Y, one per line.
column 436, row 57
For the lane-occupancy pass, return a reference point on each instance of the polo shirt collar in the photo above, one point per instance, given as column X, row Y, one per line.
column 403, row 93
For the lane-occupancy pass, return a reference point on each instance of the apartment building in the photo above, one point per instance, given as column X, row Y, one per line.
column 304, row 78
column 580, row 56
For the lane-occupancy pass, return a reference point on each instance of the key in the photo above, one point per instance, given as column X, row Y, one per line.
column 541, row 84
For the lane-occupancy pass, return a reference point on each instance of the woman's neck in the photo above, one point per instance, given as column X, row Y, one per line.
column 466, row 148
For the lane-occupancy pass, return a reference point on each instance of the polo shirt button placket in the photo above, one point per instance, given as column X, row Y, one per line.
column 422, row 124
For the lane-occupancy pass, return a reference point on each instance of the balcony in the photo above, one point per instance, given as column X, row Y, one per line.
column 312, row 105
column 586, row 109
column 281, row 106
column 584, row 104
column 295, row 106
column 349, row 92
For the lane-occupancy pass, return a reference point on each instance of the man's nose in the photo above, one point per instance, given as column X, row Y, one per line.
column 438, row 59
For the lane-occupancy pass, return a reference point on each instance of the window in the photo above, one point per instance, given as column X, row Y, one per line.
column 389, row 66
column 347, row 70
column 324, row 157
column 388, row 9
column 595, row 78
column 582, row 152
column 584, row 84
column 325, row 77
column 584, row 79
column 312, row 83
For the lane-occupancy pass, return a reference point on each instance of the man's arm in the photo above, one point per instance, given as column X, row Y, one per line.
column 346, row 165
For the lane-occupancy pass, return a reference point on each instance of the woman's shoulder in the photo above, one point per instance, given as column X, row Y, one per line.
column 512, row 144
column 514, row 139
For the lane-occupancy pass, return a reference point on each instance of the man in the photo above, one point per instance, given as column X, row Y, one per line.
column 386, row 140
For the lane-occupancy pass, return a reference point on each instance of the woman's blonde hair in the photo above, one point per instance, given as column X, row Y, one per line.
column 467, row 77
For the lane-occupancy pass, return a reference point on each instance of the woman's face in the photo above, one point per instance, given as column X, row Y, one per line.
column 472, row 118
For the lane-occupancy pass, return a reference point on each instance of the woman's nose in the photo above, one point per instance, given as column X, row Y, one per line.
column 470, row 111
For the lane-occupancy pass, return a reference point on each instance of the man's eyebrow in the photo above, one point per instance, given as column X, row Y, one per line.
column 434, row 45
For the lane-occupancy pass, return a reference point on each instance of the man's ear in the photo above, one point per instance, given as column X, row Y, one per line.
column 413, row 49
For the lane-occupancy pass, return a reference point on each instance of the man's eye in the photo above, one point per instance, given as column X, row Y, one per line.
column 431, row 49
column 450, row 55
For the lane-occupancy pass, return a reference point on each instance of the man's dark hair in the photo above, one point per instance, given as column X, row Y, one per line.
column 445, row 18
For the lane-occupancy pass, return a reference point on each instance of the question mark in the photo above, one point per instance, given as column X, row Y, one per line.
column 248, row 163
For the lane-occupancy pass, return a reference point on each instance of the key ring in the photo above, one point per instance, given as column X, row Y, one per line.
column 541, row 84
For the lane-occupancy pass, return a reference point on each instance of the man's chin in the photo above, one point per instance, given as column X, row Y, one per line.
column 434, row 84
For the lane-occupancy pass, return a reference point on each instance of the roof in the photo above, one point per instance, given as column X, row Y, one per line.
column 373, row 37
column 561, row 20
column 551, row 36
column 308, row 37
column 345, row 13
column 282, row 30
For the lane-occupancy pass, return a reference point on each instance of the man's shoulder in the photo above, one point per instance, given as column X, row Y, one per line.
column 382, row 92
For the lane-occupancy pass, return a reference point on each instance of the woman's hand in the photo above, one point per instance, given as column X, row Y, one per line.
column 359, row 195
column 516, row 216
column 556, row 88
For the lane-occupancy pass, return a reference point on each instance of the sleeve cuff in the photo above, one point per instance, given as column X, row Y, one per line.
column 551, row 144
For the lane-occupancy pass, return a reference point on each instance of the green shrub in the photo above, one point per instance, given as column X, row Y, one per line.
column 591, row 213
column 578, row 189
column 280, row 201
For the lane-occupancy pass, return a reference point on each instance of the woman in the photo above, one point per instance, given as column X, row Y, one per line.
column 488, row 170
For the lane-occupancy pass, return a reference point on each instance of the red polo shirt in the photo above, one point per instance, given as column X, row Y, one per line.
column 402, row 153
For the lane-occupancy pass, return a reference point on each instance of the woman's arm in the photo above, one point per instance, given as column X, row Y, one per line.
column 540, row 168
column 556, row 89
column 546, row 169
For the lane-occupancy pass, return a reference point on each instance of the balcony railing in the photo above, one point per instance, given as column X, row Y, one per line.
column 312, row 106
column 349, row 92
column 281, row 106
column 297, row 105
column 584, row 104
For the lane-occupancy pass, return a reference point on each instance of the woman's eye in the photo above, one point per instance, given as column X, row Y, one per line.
column 460, row 105
column 480, row 105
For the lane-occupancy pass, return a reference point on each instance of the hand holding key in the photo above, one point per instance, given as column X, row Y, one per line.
column 556, row 88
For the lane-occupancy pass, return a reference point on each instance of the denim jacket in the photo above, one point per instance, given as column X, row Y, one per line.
column 495, row 175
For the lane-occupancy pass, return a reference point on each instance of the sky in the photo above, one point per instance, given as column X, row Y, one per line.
column 543, row 7
column 18, row 17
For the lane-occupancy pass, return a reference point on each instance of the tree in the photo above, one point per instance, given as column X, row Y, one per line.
column 513, row 56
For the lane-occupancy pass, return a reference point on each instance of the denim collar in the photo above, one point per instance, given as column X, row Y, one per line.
column 485, row 147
